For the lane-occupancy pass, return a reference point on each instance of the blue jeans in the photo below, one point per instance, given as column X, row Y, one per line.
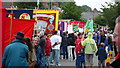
column 42, row 65
column 56, row 55
column 65, row 53
column 40, row 58
column 46, row 60
column 79, row 62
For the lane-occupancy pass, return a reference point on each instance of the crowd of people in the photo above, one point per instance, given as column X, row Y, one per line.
column 43, row 51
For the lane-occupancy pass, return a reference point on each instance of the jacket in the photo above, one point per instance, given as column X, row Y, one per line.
column 89, row 45
column 47, row 47
column 15, row 54
column 102, row 55
column 78, row 45
column 39, row 55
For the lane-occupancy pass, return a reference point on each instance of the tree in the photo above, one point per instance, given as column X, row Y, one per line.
column 28, row 5
column 85, row 8
column 70, row 10
column 100, row 20
column 109, row 15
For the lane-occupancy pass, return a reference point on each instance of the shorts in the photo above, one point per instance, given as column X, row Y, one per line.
column 89, row 59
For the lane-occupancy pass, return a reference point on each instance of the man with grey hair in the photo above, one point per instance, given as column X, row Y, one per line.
column 116, row 38
column 116, row 33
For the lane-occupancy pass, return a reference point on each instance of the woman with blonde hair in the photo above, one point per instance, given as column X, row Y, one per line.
column 31, row 53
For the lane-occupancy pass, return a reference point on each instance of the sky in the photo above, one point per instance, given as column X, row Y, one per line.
column 93, row 3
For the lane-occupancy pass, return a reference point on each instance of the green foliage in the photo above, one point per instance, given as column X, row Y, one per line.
column 85, row 8
column 28, row 5
column 100, row 20
column 108, row 15
column 71, row 11
column 82, row 20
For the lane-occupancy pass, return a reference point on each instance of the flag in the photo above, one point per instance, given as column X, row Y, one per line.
column 22, row 14
column 38, row 2
column 61, row 25
column 89, row 25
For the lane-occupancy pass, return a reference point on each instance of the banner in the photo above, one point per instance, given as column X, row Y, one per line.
column 47, row 20
column 18, row 25
column 70, row 29
column 89, row 26
column 77, row 25
column 63, row 24
column 22, row 14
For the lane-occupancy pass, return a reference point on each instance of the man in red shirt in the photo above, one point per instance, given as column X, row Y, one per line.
column 47, row 50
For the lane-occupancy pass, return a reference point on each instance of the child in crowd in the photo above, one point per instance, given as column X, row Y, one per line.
column 82, row 58
column 102, row 55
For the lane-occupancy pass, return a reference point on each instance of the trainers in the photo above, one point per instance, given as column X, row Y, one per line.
column 51, row 64
column 58, row 65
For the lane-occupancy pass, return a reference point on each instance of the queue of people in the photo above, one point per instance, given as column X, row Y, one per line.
column 43, row 51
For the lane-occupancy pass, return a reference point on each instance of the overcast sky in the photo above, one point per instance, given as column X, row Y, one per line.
column 92, row 3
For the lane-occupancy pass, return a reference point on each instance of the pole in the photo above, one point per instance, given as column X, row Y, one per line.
column 38, row 3
column 11, row 20
column 11, row 27
column 12, row 4
column 50, row 4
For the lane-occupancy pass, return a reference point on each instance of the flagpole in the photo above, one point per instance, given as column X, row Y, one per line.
column 38, row 3
column 12, row 4
column 11, row 20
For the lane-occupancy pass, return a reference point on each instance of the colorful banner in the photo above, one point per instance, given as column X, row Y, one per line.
column 47, row 20
column 70, row 29
column 89, row 26
column 18, row 25
column 77, row 25
column 63, row 24
column 22, row 14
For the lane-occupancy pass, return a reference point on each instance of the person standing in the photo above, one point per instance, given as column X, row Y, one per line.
column 41, row 50
column 102, row 56
column 116, row 40
column 71, row 46
column 79, row 52
column 47, row 50
column 64, row 44
column 31, row 53
column 55, row 44
column 38, row 51
column 90, row 49
column 15, row 54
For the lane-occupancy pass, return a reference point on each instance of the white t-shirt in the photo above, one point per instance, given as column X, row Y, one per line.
column 54, row 39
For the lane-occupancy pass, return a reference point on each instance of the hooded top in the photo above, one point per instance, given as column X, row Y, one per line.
column 89, row 44
column 90, row 36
